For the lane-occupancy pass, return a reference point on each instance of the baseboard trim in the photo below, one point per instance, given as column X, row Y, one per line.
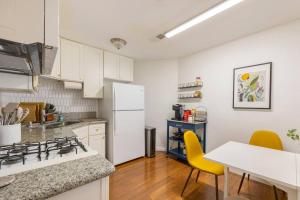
column 160, row 148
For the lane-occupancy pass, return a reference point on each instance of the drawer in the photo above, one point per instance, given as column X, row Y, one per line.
column 97, row 129
column 82, row 132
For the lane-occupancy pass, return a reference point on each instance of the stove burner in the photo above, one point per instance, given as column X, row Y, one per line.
column 12, row 154
column 13, row 159
column 62, row 145
column 16, row 153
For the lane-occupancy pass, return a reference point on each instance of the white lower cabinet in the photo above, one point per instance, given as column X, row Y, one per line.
column 97, row 190
column 82, row 134
column 92, row 136
column 97, row 142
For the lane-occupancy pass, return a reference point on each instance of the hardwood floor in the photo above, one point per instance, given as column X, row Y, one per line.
column 163, row 178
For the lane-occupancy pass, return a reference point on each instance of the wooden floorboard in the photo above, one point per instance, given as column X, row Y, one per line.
column 162, row 178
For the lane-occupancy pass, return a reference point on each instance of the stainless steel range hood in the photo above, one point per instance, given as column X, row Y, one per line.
column 27, row 59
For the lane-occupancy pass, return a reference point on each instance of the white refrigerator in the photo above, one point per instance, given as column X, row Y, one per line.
column 123, row 108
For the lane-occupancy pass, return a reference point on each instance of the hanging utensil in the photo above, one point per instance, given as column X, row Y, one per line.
column 20, row 112
column 8, row 111
column 25, row 114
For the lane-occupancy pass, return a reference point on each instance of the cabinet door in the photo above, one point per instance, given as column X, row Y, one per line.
column 97, row 142
column 70, row 53
column 52, row 23
column 111, row 65
column 93, row 72
column 22, row 21
column 82, row 134
column 126, row 69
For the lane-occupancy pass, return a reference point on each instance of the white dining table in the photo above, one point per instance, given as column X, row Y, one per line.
column 279, row 168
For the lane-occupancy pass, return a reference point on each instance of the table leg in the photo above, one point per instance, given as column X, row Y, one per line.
column 292, row 194
column 204, row 138
column 226, row 182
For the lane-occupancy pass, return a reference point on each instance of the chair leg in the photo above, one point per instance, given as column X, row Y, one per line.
column 248, row 177
column 241, row 183
column 197, row 176
column 217, row 188
column 187, row 181
column 275, row 192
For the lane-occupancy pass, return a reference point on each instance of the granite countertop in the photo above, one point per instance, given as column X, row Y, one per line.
column 40, row 134
column 49, row 181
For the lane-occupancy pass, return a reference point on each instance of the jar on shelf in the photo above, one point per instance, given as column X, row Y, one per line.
column 197, row 94
column 198, row 81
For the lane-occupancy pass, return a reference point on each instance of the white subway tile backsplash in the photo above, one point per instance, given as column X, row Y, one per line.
column 52, row 91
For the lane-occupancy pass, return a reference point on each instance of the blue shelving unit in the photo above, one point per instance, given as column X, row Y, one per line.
column 194, row 126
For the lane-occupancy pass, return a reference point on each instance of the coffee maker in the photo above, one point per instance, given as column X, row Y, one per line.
column 178, row 108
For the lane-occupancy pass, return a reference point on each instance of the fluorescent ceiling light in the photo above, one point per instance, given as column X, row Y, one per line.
column 202, row 17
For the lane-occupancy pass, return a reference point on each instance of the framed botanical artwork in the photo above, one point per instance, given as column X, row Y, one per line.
column 252, row 86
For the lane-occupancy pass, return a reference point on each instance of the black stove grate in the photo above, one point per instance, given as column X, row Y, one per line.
column 16, row 153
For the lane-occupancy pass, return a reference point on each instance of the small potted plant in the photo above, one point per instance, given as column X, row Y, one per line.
column 293, row 134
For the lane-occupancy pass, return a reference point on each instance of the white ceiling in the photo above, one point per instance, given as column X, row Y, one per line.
column 95, row 22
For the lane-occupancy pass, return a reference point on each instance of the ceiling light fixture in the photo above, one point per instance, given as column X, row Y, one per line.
column 202, row 17
column 118, row 42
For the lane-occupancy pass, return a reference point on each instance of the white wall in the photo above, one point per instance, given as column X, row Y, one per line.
column 279, row 45
column 160, row 81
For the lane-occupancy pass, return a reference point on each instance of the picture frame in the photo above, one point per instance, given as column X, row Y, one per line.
column 252, row 86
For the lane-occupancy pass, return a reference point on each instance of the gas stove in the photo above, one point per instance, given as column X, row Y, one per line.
column 21, row 157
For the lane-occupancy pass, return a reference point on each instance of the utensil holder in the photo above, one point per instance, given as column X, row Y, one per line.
column 10, row 134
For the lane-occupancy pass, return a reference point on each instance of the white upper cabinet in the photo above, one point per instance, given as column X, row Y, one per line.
column 126, row 69
column 22, row 21
column 118, row 67
column 111, row 65
column 92, row 65
column 30, row 21
column 70, row 53
column 82, row 63
column 52, row 23
column 52, row 33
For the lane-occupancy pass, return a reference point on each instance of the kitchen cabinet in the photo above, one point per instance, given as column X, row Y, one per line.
column 22, row 21
column 92, row 136
column 30, row 21
column 111, row 65
column 97, row 190
column 97, row 129
column 118, row 67
column 82, row 63
column 97, row 142
column 52, row 33
column 82, row 134
column 70, row 55
column 97, row 138
column 93, row 72
column 126, row 68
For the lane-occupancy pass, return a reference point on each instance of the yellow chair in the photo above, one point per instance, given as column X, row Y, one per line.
column 195, row 158
column 267, row 139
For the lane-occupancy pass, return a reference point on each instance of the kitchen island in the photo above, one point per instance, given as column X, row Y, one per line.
column 82, row 176
column 53, row 181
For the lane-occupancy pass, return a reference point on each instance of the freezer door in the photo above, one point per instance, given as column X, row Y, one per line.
column 128, row 97
column 129, row 136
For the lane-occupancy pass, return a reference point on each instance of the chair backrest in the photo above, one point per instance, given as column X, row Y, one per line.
column 192, row 145
column 268, row 139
